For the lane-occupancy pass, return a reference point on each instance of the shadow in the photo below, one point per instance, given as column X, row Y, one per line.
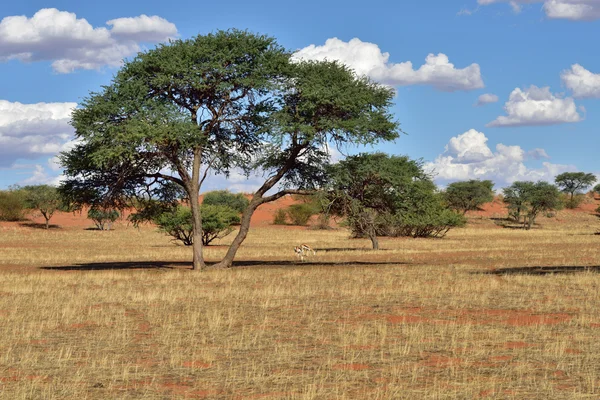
column 36, row 225
column 119, row 265
column 540, row 270
column 171, row 265
column 346, row 249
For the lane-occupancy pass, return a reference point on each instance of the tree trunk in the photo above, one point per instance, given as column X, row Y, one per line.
column 47, row 223
column 227, row 261
column 374, row 240
column 198, row 263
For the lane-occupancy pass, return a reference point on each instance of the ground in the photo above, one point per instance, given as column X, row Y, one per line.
column 486, row 312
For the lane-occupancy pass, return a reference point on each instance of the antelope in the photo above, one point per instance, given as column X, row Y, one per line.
column 303, row 250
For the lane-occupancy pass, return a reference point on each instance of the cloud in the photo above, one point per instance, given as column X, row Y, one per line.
column 367, row 59
column 71, row 43
column 486, row 98
column 536, row 106
column 574, row 10
column 467, row 156
column 28, row 131
column 583, row 83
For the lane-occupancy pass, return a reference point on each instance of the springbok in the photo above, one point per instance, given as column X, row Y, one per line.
column 303, row 250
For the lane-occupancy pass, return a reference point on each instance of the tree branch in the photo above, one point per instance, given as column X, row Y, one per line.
column 285, row 192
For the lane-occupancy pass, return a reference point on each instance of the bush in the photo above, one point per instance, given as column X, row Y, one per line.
column 300, row 213
column 280, row 217
column 12, row 205
column 237, row 202
column 433, row 224
column 572, row 202
column 216, row 223
column 177, row 223
column 103, row 218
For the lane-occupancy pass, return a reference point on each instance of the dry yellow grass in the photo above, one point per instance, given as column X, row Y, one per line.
column 421, row 319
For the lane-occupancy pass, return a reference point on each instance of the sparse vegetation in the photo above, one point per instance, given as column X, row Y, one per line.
column 87, row 316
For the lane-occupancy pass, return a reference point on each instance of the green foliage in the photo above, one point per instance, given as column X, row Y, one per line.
column 280, row 217
column 212, row 103
column 178, row 223
column 574, row 183
column 526, row 200
column 43, row 198
column 216, row 223
column 388, row 195
column 299, row 214
column 103, row 218
column 469, row 195
column 12, row 205
column 596, row 189
column 428, row 216
column 237, row 202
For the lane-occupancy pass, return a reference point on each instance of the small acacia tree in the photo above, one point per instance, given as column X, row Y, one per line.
column 378, row 193
column 596, row 189
column 43, row 198
column 103, row 218
column 528, row 199
column 469, row 195
column 217, row 102
column 574, row 183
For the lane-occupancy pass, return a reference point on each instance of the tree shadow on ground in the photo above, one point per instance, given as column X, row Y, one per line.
column 36, row 225
column 171, row 265
column 326, row 250
column 542, row 270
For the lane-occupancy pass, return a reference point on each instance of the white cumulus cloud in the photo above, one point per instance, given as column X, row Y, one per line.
column 486, row 98
column 537, row 106
column 583, row 83
column 368, row 59
column 72, row 43
column 574, row 10
column 28, row 131
column 467, row 156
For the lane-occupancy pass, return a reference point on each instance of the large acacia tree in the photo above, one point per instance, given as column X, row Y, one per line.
column 232, row 99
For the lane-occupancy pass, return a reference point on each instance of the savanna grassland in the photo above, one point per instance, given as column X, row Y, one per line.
column 486, row 312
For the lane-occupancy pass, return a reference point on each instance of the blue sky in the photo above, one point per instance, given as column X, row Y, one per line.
column 533, row 59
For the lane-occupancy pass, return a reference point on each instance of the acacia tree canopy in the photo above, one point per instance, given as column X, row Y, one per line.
column 574, row 182
column 469, row 195
column 528, row 199
column 366, row 187
column 212, row 103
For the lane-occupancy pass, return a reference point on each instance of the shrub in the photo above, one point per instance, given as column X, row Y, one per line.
column 300, row 213
column 216, row 223
column 237, row 202
column 12, row 205
column 43, row 198
column 103, row 218
column 280, row 217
